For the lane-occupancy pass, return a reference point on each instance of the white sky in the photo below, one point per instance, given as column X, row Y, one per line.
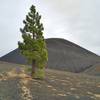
column 75, row 20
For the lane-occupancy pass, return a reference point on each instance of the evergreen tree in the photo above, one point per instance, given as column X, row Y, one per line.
column 33, row 46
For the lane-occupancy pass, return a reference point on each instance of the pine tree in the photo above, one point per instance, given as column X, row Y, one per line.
column 33, row 46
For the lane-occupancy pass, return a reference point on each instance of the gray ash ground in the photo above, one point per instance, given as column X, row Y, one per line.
column 9, row 89
column 58, row 85
column 65, row 86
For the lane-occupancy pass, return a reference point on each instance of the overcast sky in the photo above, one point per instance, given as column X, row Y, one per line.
column 75, row 20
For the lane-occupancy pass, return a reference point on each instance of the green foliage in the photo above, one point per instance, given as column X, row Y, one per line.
column 33, row 46
column 39, row 73
column 28, row 70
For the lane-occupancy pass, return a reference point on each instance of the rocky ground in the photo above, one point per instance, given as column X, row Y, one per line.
column 16, row 84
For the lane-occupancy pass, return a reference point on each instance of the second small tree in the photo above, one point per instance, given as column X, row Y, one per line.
column 33, row 46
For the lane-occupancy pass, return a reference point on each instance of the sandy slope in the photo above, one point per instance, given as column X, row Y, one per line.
column 58, row 85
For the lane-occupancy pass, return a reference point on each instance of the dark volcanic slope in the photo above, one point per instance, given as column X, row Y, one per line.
column 94, row 70
column 63, row 55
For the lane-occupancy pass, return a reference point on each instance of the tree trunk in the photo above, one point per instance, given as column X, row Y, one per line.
column 33, row 68
column 37, row 73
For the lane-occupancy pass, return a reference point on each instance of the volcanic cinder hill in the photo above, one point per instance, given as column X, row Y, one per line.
column 63, row 55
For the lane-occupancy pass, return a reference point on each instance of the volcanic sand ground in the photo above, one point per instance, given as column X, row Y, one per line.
column 58, row 85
